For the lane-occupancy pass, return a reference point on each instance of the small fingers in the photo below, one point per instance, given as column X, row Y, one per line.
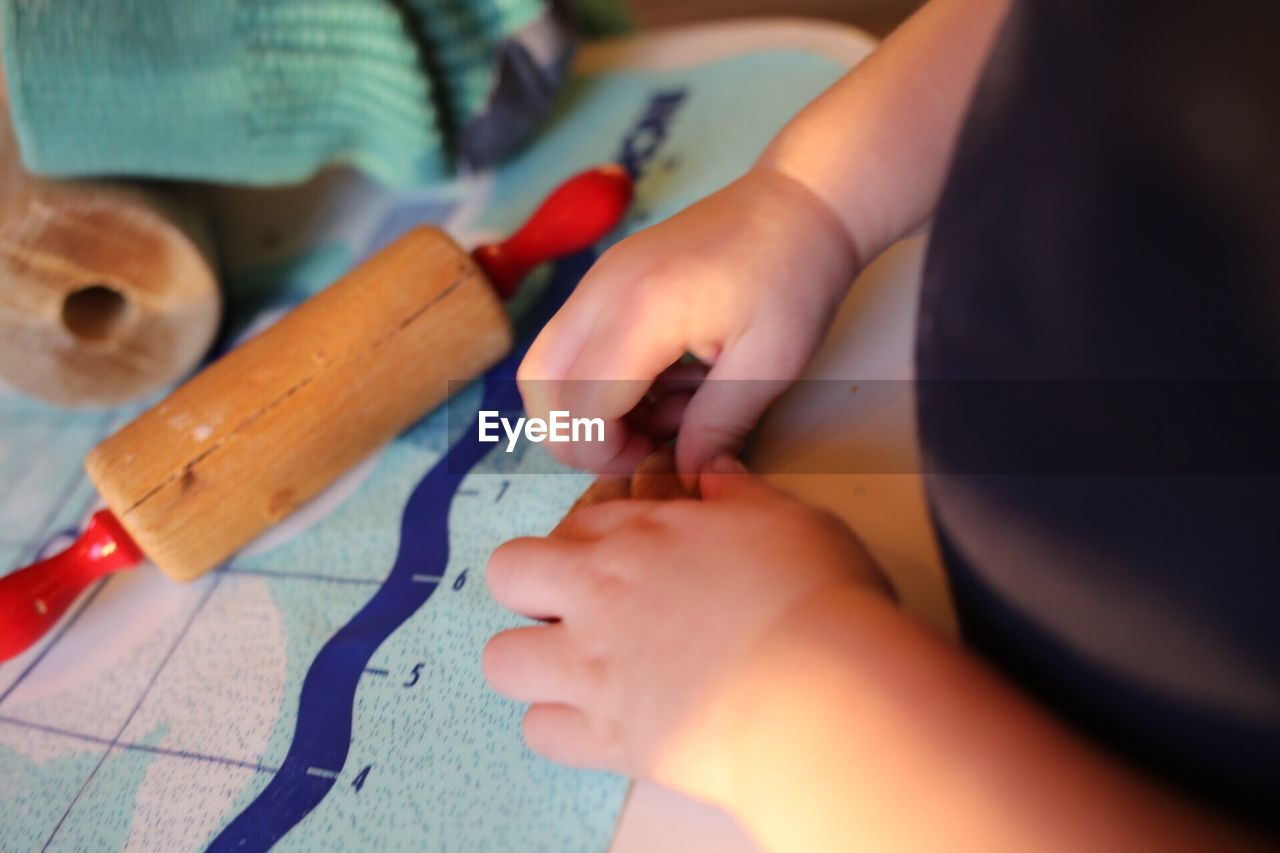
column 534, row 576
column 564, row 734
column 628, row 348
column 534, row 664
column 556, row 347
column 547, row 362
column 749, row 376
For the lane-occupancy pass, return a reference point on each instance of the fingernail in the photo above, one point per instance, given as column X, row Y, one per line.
column 727, row 464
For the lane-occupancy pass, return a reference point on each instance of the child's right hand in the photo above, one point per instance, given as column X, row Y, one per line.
column 747, row 280
column 653, row 616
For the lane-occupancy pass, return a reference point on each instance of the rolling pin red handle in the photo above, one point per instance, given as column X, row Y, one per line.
column 579, row 213
column 33, row 599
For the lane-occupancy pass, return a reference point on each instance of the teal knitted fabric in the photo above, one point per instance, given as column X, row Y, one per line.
column 255, row 91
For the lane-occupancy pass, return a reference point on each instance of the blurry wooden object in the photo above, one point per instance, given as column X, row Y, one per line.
column 107, row 290
column 267, row 426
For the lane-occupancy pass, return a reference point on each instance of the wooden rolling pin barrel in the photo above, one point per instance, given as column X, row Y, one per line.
column 258, row 432
column 107, row 290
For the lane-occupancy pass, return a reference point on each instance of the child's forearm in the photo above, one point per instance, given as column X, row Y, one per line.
column 859, row 729
column 876, row 146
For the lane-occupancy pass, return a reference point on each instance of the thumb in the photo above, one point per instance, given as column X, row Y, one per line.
column 745, row 381
column 727, row 479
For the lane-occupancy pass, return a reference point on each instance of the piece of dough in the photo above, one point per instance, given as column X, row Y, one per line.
column 655, row 478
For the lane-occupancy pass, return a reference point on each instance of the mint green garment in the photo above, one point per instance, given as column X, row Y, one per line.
column 270, row 91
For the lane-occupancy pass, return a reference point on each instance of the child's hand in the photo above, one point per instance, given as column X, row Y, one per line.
column 652, row 608
column 747, row 280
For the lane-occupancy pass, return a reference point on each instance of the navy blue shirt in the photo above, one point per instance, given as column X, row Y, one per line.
column 1099, row 347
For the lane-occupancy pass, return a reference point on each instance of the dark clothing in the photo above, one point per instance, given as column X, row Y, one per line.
column 1112, row 222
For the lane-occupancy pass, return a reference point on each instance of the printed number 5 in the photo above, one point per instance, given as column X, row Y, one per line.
column 414, row 675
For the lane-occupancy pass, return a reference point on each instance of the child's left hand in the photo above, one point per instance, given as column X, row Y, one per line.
column 651, row 609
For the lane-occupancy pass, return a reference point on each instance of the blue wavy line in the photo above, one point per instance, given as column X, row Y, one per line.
column 322, row 736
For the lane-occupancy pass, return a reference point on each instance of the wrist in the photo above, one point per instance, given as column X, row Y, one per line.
column 790, row 719
column 820, row 233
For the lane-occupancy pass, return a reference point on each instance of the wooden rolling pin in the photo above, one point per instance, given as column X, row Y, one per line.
column 258, row 432
column 107, row 291
column 267, row 426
